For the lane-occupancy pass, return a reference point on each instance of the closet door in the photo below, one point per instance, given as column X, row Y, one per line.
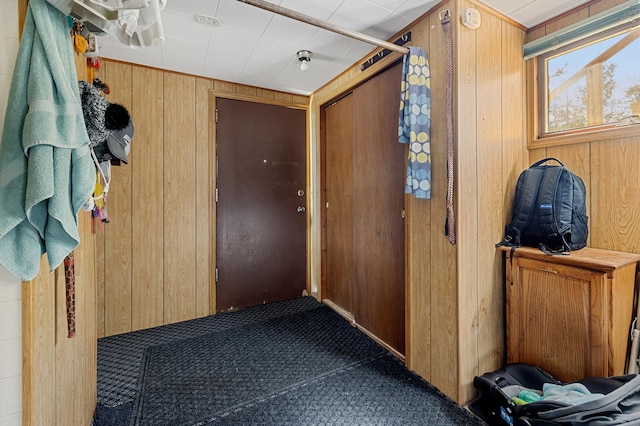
column 378, row 198
column 340, row 255
column 364, row 182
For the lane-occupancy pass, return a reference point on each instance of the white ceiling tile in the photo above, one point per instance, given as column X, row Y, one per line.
column 183, row 50
column 151, row 58
column 329, row 44
column 507, row 6
column 276, row 50
column 225, row 59
column 358, row 15
column 389, row 5
column 258, row 79
column 264, row 67
column 232, row 39
column 244, row 16
column 413, row 9
column 289, row 30
column 318, row 9
column 182, row 26
column 106, row 48
column 182, row 65
column 221, row 73
column 191, row 7
column 535, row 13
column 390, row 26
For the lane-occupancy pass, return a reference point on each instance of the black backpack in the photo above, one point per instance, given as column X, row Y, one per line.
column 549, row 210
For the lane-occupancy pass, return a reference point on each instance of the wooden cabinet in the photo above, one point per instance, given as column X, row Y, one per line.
column 569, row 314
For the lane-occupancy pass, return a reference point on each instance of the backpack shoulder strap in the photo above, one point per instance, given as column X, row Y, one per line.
column 527, row 187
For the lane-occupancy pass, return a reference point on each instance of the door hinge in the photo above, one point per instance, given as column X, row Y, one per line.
column 216, row 274
column 216, row 115
column 216, row 195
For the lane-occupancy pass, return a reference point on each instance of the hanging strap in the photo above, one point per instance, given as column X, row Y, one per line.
column 70, row 292
column 445, row 20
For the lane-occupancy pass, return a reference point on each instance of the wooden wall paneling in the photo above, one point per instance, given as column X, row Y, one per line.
column 480, row 318
column 101, row 309
column 566, row 20
column 224, row 86
column 443, row 280
column 39, row 348
column 614, row 198
column 86, row 350
column 117, row 233
column 64, row 379
column 59, row 374
column 514, row 158
column 477, row 145
column 418, row 226
column 179, row 198
column 601, row 6
column 204, row 193
column 147, row 189
column 246, row 90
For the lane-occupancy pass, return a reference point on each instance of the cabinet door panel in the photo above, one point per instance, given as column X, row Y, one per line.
column 556, row 318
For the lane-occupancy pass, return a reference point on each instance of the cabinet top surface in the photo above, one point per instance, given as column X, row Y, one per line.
column 587, row 257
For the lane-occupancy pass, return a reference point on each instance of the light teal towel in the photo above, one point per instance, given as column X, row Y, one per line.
column 46, row 170
column 571, row 394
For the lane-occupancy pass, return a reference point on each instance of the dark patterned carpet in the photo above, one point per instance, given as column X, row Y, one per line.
column 288, row 363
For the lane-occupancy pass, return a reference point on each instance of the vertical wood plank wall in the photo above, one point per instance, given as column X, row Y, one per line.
column 608, row 168
column 58, row 373
column 454, row 293
column 491, row 145
column 155, row 257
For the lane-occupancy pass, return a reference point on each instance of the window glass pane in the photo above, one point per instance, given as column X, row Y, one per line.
column 595, row 84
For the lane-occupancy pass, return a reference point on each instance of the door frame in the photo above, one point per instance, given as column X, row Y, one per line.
column 288, row 101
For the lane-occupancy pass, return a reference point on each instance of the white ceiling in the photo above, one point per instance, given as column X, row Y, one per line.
column 258, row 48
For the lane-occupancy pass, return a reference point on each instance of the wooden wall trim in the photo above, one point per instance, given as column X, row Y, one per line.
column 291, row 102
column 22, row 14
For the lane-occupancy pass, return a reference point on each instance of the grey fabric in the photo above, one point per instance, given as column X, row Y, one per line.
column 621, row 406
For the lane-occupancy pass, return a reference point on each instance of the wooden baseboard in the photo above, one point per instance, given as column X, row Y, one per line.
column 349, row 317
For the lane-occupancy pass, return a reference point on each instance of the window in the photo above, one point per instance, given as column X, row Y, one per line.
column 592, row 84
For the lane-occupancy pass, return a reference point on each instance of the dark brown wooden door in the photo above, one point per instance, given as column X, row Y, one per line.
column 364, row 180
column 378, row 191
column 339, row 264
column 261, row 218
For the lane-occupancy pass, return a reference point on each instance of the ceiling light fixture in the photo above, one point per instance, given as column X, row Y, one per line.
column 199, row 18
column 304, row 56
